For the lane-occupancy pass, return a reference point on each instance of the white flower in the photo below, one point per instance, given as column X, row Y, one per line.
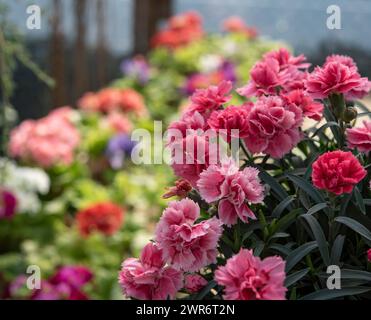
column 210, row 62
column 26, row 184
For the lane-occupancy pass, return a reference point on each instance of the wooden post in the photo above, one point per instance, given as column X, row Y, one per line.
column 80, row 67
column 148, row 14
column 57, row 63
column 101, row 44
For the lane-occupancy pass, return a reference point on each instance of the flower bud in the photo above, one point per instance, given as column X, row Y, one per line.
column 349, row 114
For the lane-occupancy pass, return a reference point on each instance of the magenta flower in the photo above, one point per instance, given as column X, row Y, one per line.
column 278, row 70
column 8, row 204
column 192, row 155
column 207, row 100
column 274, row 127
column 360, row 137
column 337, row 172
column 307, row 104
column 187, row 245
column 193, row 283
column 337, row 77
column 147, row 278
column 233, row 189
column 246, row 277
column 369, row 255
column 231, row 118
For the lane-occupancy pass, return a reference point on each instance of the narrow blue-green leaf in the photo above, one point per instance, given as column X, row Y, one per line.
column 359, row 200
column 203, row 293
column 299, row 253
column 295, row 277
column 316, row 208
column 324, row 127
column 356, row 274
column 355, row 226
column 276, row 187
column 326, row 294
column 337, row 249
column 307, row 187
column 282, row 206
column 319, row 236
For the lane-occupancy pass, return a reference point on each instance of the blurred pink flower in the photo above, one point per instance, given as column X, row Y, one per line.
column 246, row 277
column 360, row 137
column 233, row 188
column 66, row 284
column 235, row 24
column 118, row 122
column 345, row 60
column 273, row 127
column 369, row 255
column 337, row 77
column 147, row 278
column 45, row 142
column 187, row 245
column 337, row 172
column 193, row 283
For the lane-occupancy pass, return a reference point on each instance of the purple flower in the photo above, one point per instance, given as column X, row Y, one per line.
column 118, row 148
column 136, row 68
column 229, row 71
column 8, row 204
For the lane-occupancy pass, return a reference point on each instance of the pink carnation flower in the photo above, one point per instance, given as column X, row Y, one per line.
column 45, row 142
column 360, row 137
column 310, row 108
column 193, row 283
column 233, row 188
column 278, row 70
column 207, row 100
column 274, row 127
column 337, row 77
column 147, row 278
column 246, row 277
column 345, row 60
column 187, row 245
column 192, row 155
column 337, row 172
column 231, row 118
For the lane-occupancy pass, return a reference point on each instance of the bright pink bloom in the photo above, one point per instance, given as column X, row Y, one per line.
column 360, row 137
column 246, row 277
column 277, row 71
column 232, row 117
column 337, row 172
column 8, row 204
column 118, row 122
column 193, row 283
column 75, row 276
column 337, row 77
column 273, row 127
column 369, row 255
column 45, row 142
column 345, row 60
column 192, row 155
column 233, row 188
column 147, row 278
column 186, row 245
column 207, row 100
column 310, row 108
